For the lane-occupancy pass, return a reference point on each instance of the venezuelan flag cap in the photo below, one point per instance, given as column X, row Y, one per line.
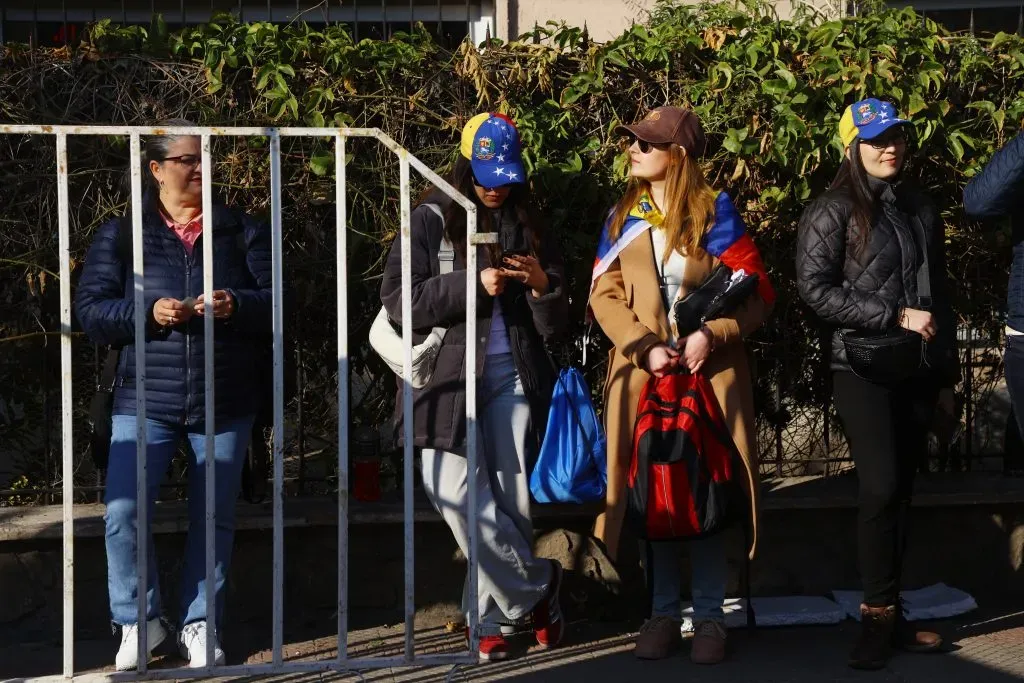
column 867, row 120
column 491, row 143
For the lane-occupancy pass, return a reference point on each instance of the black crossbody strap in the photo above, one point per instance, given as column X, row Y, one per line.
column 924, row 280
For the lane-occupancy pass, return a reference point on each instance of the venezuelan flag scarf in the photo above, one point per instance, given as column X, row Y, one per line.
column 727, row 240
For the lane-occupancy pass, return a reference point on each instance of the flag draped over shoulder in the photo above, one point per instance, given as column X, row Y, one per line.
column 727, row 240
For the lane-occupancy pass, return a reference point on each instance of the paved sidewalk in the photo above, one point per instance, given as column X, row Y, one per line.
column 988, row 648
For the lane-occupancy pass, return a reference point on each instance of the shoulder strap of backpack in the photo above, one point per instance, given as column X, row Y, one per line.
column 446, row 254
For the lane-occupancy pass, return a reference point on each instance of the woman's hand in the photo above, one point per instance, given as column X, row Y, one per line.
column 493, row 281
column 696, row 349
column 169, row 312
column 661, row 360
column 223, row 304
column 918, row 321
column 526, row 269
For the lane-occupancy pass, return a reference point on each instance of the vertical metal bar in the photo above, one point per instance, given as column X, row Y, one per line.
column 341, row 244
column 124, row 13
column 412, row 18
column 410, row 565
column 141, row 475
column 384, row 19
column 471, row 430
column 183, row 19
column 270, row 12
column 210, row 417
column 440, row 22
column 278, row 277
column 67, row 404
column 355, row 20
column 35, row 24
column 64, row 13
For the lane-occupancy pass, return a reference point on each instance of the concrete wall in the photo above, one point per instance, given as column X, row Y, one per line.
column 605, row 19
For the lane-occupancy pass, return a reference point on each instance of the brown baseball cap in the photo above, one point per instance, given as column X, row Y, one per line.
column 670, row 124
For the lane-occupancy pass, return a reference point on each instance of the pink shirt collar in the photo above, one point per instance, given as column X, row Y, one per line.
column 188, row 233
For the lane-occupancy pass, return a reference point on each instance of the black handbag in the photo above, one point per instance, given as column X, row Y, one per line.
column 100, row 409
column 722, row 292
column 895, row 354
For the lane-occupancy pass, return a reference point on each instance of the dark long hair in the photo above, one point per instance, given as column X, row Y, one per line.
column 853, row 178
column 519, row 200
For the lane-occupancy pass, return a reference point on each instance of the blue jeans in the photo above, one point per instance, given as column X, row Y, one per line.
column 709, row 572
column 230, row 444
column 512, row 580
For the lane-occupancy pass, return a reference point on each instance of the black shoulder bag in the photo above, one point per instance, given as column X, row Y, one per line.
column 102, row 405
column 898, row 353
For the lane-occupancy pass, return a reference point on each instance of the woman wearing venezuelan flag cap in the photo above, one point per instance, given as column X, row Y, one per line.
column 661, row 241
column 871, row 265
column 522, row 305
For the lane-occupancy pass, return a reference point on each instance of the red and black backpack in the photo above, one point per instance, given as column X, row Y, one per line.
column 686, row 473
column 686, row 477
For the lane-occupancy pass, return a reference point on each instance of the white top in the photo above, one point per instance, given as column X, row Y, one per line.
column 670, row 274
column 497, row 341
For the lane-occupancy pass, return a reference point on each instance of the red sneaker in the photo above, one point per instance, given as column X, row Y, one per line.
column 548, row 624
column 492, row 648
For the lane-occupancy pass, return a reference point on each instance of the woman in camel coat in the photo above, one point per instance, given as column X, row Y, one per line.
column 637, row 271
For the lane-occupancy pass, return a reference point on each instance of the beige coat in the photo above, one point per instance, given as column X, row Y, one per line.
column 627, row 304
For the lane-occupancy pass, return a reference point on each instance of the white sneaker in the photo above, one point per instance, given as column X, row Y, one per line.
column 128, row 654
column 192, row 643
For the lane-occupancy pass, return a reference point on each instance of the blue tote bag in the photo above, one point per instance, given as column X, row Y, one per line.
column 572, row 466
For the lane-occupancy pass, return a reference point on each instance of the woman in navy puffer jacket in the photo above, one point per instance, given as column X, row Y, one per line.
column 175, row 389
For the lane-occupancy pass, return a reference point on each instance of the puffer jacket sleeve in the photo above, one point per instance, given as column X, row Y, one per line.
column 106, row 314
column 437, row 300
column 820, row 257
column 254, row 305
column 999, row 188
column 551, row 311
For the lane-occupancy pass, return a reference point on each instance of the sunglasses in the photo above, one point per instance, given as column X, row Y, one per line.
column 886, row 141
column 645, row 147
column 487, row 188
column 187, row 160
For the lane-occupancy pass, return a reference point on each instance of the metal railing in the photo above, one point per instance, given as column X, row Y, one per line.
column 342, row 661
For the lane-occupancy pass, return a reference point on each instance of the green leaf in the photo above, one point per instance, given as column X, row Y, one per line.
column 787, row 76
column 322, row 163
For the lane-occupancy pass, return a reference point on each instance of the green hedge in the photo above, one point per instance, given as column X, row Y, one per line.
column 770, row 93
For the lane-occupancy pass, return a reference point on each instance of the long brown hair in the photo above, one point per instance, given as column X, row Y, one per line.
column 689, row 210
column 519, row 200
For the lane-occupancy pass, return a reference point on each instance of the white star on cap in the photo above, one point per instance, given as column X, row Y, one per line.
column 499, row 171
column 512, row 176
column 501, row 157
column 505, row 147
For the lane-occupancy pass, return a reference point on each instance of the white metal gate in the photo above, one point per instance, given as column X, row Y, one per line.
column 342, row 662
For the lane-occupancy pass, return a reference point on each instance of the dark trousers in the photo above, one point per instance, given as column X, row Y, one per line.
column 887, row 429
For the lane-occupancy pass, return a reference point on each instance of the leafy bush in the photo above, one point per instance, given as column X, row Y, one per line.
column 770, row 94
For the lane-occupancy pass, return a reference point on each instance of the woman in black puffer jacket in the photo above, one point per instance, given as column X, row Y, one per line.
column 860, row 253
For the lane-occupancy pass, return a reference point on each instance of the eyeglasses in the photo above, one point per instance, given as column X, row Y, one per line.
column 645, row 147
column 886, row 141
column 188, row 160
